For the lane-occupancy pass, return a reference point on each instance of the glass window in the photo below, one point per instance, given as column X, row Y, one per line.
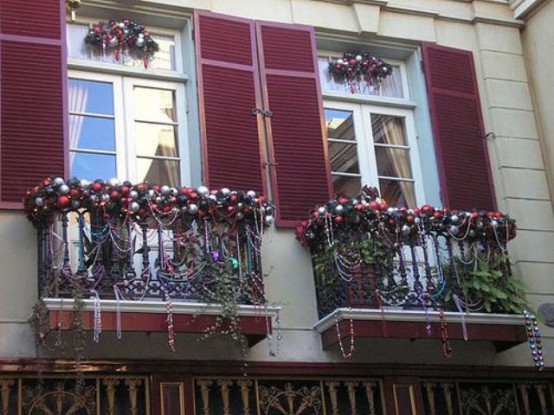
column 374, row 146
column 345, row 169
column 125, row 127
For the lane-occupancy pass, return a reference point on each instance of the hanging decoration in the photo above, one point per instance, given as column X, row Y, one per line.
column 207, row 245
column 72, row 6
column 124, row 37
column 534, row 338
column 357, row 68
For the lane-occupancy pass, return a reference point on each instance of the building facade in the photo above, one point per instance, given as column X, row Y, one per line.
column 253, row 99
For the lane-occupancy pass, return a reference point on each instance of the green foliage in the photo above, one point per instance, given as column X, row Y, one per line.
column 489, row 285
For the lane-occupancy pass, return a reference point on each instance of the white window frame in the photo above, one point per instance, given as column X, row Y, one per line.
column 367, row 159
column 123, row 109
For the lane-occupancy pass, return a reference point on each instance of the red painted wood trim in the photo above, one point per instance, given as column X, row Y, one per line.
column 200, row 61
column 315, row 75
column 271, row 368
column 65, row 89
column 432, row 107
column 154, row 322
column 9, row 205
column 512, row 334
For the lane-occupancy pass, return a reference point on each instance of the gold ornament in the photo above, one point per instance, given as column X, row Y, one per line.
column 72, row 6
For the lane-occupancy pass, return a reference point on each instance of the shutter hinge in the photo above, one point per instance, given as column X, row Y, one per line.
column 256, row 111
column 487, row 135
column 269, row 164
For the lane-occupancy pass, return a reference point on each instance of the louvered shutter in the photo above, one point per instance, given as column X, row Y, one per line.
column 300, row 169
column 233, row 151
column 462, row 155
column 32, row 115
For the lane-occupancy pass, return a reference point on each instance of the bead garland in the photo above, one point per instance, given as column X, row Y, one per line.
column 339, row 338
column 534, row 338
column 446, row 348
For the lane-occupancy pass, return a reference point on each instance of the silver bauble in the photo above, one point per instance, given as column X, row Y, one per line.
column 58, row 181
column 39, row 201
column 406, row 230
column 133, row 194
column 105, row 197
column 225, row 191
column 251, row 193
column 134, row 207
column 339, row 209
column 203, row 191
column 321, row 210
column 268, row 220
column 192, row 209
column 454, row 230
column 84, row 183
column 165, row 190
column 64, row 189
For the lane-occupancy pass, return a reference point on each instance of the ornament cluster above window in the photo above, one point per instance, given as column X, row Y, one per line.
column 122, row 37
column 355, row 68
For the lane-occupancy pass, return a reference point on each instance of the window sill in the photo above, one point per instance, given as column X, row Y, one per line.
column 369, row 99
column 503, row 330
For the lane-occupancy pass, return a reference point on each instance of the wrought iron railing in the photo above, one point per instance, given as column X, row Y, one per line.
column 132, row 242
column 366, row 254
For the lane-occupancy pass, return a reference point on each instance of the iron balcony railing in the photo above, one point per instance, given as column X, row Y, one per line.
column 368, row 255
column 132, row 242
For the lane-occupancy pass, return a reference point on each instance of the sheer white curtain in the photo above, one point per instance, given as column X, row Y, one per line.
column 78, row 96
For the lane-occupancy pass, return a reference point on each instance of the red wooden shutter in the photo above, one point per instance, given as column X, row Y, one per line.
column 463, row 161
column 32, row 112
column 300, row 168
column 228, row 92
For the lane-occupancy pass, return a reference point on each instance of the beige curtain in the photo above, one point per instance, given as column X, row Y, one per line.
column 392, row 131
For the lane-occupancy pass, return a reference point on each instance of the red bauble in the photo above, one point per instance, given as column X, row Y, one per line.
column 234, row 198
column 359, row 207
column 96, row 186
column 374, row 205
column 63, row 202
column 74, row 193
column 230, row 209
column 352, row 62
column 125, row 190
column 426, row 209
column 339, row 220
column 342, row 200
column 114, row 195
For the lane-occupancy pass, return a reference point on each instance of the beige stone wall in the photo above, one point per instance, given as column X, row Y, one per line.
column 485, row 27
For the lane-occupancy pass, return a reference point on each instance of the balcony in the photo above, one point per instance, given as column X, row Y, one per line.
column 126, row 257
column 427, row 273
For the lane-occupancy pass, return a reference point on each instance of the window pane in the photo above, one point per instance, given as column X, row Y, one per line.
column 388, row 130
column 164, row 172
column 90, row 97
column 154, row 105
column 398, row 193
column 393, row 162
column 91, row 133
column 92, row 166
column 340, row 124
column 344, row 157
column 346, row 184
column 391, row 86
column 77, row 49
column 156, row 140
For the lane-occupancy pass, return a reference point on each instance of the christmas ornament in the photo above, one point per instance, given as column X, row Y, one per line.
column 354, row 68
column 534, row 339
column 122, row 37
column 72, row 6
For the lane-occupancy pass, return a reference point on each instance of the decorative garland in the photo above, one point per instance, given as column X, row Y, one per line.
column 366, row 213
column 140, row 201
column 123, row 37
column 359, row 67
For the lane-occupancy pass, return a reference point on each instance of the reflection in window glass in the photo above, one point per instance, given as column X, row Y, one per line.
column 154, row 105
column 389, row 87
column 92, row 133
column 77, row 49
column 90, row 97
column 92, row 166
column 343, row 153
column 393, row 160
column 158, row 171
column 156, row 140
